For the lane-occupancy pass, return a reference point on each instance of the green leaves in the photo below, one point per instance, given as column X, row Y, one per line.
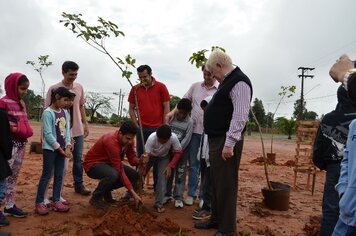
column 43, row 63
column 129, row 60
column 287, row 91
column 95, row 36
column 198, row 58
column 78, row 26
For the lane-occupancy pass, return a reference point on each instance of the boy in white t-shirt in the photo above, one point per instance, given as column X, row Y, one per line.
column 158, row 147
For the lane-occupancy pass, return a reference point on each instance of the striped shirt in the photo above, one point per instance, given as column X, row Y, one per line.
column 197, row 93
column 240, row 96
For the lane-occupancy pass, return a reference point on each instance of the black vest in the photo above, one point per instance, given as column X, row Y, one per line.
column 218, row 113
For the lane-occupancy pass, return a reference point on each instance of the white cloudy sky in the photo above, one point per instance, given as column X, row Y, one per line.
column 269, row 40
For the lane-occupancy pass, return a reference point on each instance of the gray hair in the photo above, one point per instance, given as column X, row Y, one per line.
column 217, row 56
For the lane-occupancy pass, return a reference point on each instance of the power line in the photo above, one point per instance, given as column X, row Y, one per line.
column 332, row 52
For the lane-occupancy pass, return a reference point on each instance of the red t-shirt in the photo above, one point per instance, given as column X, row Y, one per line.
column 150, row 102
column 108, row 149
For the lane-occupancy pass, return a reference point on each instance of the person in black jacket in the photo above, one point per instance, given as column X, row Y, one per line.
column 328, row 152
column 5, row 155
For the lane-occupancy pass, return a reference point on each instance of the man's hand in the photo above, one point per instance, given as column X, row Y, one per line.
column 168, row 171
column 144, row 158
column 86, row 130
column 227, row 153
column 339, row 69
column 137, row 198
column 169, row 117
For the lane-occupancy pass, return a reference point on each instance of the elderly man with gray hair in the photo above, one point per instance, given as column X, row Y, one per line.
column 224, row 122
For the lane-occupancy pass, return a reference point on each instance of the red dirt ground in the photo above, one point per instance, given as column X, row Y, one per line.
column 254, row 218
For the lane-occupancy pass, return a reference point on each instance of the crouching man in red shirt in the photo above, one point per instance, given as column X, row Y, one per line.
column 104, row 162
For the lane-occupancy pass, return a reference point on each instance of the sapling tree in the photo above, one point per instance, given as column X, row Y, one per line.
column 286, row 91
column 96, row 37
column 42, row 64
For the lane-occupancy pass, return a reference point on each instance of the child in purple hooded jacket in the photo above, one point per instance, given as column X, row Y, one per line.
column 16, row 86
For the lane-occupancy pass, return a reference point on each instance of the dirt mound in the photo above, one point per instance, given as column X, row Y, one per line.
column 126, row 220
column 289, row 163
column 258, row 210
column 265, row 230
column 312, row 227
column 259, row 160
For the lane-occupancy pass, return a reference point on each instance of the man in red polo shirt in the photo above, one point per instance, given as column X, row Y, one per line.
column 153, row 103
column 104, row 162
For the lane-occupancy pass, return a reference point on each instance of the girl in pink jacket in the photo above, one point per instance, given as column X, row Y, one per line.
column 16, row 85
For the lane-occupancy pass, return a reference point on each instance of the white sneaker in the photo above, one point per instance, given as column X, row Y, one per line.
column 189, row 201
column 201, row 202
column 46, row 202
column 178, row 203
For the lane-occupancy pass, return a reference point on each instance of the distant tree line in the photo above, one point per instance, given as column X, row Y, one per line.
column 99, row 108
column 285, row 125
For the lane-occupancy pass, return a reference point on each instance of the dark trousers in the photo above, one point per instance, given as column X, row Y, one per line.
column 224, row 176
column 330, row 211
column 139, row 148
column 109, row 178
column 205, row 181
column 77, row 161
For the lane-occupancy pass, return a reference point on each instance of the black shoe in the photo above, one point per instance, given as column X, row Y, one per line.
column 98, row 203
column 15, row 211
column 82, row 190
column 206, row 225
column 108, row 198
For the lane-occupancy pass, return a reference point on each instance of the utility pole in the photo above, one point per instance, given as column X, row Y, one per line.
column 121, row 101
column 303, row 75
column 118, row 107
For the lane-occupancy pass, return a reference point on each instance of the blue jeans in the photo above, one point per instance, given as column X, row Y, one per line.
column 178, row 174
column 77, row 161
column 342, row 229
column 194, row 164
column 330, row 207
column 51, row 160
column 139, row 148
column 2, row 189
